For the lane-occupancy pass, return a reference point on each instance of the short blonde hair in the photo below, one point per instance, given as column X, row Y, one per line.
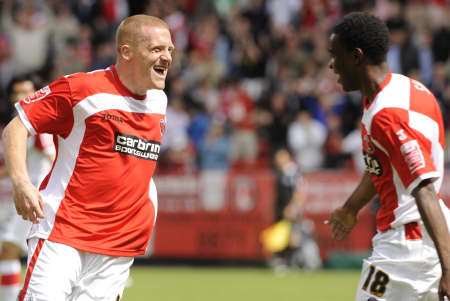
column 130, row 28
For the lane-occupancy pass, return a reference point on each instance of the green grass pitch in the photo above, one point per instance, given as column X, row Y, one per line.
column 236, row 284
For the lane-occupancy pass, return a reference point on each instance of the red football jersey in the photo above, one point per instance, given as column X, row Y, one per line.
column 403, row 144
column 99, row 196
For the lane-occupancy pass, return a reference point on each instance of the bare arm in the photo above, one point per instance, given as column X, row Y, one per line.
column 15, row 142
column 435, row 223
column 344, row 219
column 26, row 197
column 363, row 194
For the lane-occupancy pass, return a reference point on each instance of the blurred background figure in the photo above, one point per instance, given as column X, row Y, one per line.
column 13, row 229
column 301, row 250
column 306, row 137
column 214, row 156
column 239, row 109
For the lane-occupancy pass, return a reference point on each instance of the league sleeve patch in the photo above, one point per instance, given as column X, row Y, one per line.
column 413, row 155
column 38, row 95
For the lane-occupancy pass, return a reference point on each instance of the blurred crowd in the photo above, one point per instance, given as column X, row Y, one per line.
column 248, row 76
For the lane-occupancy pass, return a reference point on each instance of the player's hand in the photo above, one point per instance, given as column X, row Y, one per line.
column 28, row 202
column 444, row 287
column 342, row 222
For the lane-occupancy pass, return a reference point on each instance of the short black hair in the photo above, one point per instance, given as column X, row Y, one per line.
column 19, row 79
column 365, row 31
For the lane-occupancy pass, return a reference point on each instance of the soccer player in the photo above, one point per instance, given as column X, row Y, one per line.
column 403, row 145
column 14, row 230
column 96, row 209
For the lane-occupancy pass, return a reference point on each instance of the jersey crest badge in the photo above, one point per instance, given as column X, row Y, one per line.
column 38, row 95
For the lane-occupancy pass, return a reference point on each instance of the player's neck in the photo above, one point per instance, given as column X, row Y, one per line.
column 372, row 79
column 126, row 78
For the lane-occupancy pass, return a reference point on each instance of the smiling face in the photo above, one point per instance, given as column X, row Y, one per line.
column 152, row 56
column 344, row 64
column 144, row 53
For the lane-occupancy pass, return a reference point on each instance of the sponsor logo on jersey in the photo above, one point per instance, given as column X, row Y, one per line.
column 38, row 95
column 413, row 155
column 372, row 299
column 112, row 117
column 373, row 166
column 137, row 147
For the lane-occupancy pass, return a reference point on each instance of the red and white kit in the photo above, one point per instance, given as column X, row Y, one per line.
column 99, row 196
column 39, row 153
column 14, row 229
column 403, row 144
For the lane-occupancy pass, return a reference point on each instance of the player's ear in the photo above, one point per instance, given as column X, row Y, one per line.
column 358, row 56
column 125, row 52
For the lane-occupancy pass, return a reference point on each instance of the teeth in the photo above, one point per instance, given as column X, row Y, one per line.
column 159, row 69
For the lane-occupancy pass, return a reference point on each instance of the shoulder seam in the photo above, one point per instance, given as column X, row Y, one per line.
column 70, row 91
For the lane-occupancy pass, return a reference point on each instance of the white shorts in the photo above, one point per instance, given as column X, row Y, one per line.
column 402, row 266
column 15, row 229
column 59, row 272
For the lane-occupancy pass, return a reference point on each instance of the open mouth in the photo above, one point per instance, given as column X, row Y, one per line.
column 160, row 70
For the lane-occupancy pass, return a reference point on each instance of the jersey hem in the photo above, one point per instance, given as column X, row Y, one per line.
column 100, row 251
column 23, row 117
column 396, row 225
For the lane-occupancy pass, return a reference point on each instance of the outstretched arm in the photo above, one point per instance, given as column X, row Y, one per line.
column 26, row 197
column 344, row 218
column 435, row 223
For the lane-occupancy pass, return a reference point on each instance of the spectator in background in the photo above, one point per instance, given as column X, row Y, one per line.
column 68, row 27
column 214, row 157
column 247, row 57
column 403, row 55
column 214, row 151
column 283, row 12
column 14, row 230
column 28, row 26
column 103, row 52
column 114, row 11
column 176, row 144
column 212, row 46
column 198, row 128
column 238, row 108
column 306, row 137
column 439, row 17
column 71, row 59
